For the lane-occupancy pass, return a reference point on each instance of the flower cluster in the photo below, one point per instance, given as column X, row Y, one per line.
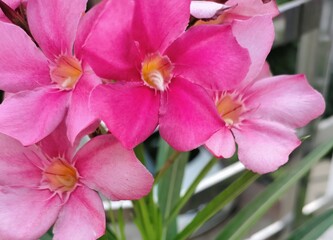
column 137, row 66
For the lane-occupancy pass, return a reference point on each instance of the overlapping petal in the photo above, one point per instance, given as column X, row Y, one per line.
column 82, row 217
column 250, row 8
column 256, row 35
column 129, row 110
column 79, row 117
column 22, row 65
column 29, row 116
column 214, row 59
column 289, row 100
column 110, row 48
column 106, row 166
column 264, row 146
column 188, row 117
column 158, row 23
column 222, row 143
column 23, row 212
column 54, row 24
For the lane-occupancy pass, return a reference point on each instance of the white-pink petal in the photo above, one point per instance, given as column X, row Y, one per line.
column 222, row 143
column 206, row 9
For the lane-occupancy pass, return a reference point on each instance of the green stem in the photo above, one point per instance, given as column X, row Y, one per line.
column 167, row 165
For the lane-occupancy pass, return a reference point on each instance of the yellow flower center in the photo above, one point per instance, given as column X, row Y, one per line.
column 156, row 71
column 60, row 176
column 66, row 71
column 229, row 109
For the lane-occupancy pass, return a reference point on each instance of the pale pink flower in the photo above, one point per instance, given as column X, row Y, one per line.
column 262, row 113
column 49, row 83
column 50, row 183
column 233, row 9
column 154, row 66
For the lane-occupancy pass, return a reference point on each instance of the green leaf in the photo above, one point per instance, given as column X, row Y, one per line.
column 109, row 235
column 249, row 215
column 313, row 228
column 47, row 236
column 169, row 188
column 220, row 201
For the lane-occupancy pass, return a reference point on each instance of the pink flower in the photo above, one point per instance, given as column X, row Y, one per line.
column 13, row 4
column 49, row 183
column 51, row 82
column 157, row 66
column 261, row 113
column 233, row 9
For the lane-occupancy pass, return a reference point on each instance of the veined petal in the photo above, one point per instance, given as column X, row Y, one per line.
column 79, row 117
column 264, row 146
column 214, row 59
column 20, row 71
column 222, row 143
column 110, row 48
column 158, row 23
column 129, row 110
column 289, row 100
column 188, row 116
column 30, row 116
column 26, row 213
column 54, row 24
column 82, row 217
column 112, row 169
column 256, row 35
column 19, row 165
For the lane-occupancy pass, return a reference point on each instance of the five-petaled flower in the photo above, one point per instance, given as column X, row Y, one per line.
column 51, row 182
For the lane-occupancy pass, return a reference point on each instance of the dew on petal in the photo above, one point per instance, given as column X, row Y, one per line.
column 66, row 71
column 156, row 71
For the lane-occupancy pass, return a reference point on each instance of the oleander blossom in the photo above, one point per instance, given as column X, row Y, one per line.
column 154, row 71
column 50, row 183
column 48, row 83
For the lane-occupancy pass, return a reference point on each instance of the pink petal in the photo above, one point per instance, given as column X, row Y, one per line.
column 82, row 217
column 57, row 144
column 86, row 24
column 130, row 111
column 106, row 166
column 30, row 116
column 264, row 146
column 20, row 71
column 249, row 34
column 214, row 59
column 206, row 9
column 26, row 213
column 79, row 117
column 222, row 143
column 18, row 164
column 54, row 24
column 265, row 72
column 158, row 23
column 286, row 99
column 109, row 48
column 252, row 8
column 188, row 116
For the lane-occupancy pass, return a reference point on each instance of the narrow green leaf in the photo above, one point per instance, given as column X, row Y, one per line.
column 169, row 188
column 121, row 223
column 314, row 227
column 249, row 215
column 47, row 236
column 220, row 201
column 184, row 199
column 109, row 235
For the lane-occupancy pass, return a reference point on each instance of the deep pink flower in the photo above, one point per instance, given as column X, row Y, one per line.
column 233, row 9
column 51, row 82
column 157, row 66
column 262, row 113
column 50, row 183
